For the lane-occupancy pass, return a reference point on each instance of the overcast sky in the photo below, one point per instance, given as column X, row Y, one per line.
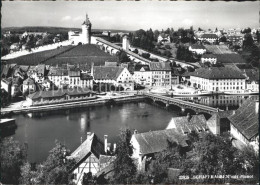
column 132, row 15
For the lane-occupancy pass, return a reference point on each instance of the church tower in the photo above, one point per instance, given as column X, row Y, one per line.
column 86, row 31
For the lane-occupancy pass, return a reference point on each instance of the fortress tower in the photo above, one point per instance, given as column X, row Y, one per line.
column 86, row 31
column 125, row 42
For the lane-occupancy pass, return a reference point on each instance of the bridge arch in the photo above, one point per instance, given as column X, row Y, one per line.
column 161, row 103
column 174, row 107
column 189, row 110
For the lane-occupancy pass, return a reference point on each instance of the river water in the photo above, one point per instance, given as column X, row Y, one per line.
column 70, row 127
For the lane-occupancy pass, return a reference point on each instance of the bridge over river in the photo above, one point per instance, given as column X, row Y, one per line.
column 198, row 108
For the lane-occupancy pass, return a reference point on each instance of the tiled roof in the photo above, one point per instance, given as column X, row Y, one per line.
column 227, row 72
column 197, row 46
column 183, row 124
column 208, row 56
column 230, row 58
column 58, row 93
column 139, row 67
column 160, row 66
column 28, row 81
column 107, row 73
column 91, row 145
column 252, row 74
column 209, row 35
column 246, row 119
column 157, row 141
column 58, row 72
column 74, row 73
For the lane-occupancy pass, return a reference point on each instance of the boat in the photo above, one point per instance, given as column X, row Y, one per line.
column 188, row 93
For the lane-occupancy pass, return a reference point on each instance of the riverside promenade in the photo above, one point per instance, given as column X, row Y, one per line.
column 77, row 104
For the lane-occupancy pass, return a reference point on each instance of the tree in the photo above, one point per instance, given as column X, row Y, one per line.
column 55, row 170
column 124, row 166
column 12, row 157
column 215, row 156
column 123, row 58
column 146, row 55
column 248, row 40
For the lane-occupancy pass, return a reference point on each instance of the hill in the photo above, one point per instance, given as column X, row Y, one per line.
column 54, row 30
column 82, row 54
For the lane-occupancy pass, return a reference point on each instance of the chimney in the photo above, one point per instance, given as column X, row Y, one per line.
column 88, row 135
column 135, row 131
column 257, row 107
column 188, row 116
column 234, row 112
column 105, row 143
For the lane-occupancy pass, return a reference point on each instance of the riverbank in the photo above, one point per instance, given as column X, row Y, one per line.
column 77, row 104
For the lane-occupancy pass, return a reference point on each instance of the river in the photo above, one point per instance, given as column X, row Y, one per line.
column 70, row 127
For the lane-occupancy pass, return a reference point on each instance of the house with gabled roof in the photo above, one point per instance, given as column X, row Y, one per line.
column 209, row 58
column 115, row 75
column 197, row 49
column 187, row 124
column 219, row 79
column 29, row 84
column 161, row 73
column 142, row 75
column 146, row 144
column 245, row 123
column 252, row 79
column 90, row 156
column 209, row 37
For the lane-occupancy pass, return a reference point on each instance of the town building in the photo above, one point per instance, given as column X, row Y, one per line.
column 29, row 85
column 161, row 73
column 142, row 75
column 85, row 36
column 252, row 79
column 212, row 59
column 219, row 123
column 59, row 96
column 236, row 39
column 145, row 145
column 209, row 37
column 219, row 79
column 90, row 156
column 164, row 38
column 187, row 124
column 197, row 49
column 38, row 73
column 116, row 76
column 245, row 123
column 59, row 77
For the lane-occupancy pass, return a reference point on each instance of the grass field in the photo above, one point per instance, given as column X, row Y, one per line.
column 84, row 50
column 36, row 58
column 230, row 58
column 218, row 49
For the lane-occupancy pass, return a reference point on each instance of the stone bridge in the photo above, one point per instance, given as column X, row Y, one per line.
column 197, row 108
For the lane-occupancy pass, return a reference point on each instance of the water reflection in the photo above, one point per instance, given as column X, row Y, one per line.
column 41, row 131
column 220, row 101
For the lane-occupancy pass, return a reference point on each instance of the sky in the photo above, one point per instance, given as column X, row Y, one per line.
column 131, row 15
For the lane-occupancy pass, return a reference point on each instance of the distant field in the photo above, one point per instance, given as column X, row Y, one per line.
column 218, row 49
column 36, row 58
column 69, row 54
column 230, row 58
